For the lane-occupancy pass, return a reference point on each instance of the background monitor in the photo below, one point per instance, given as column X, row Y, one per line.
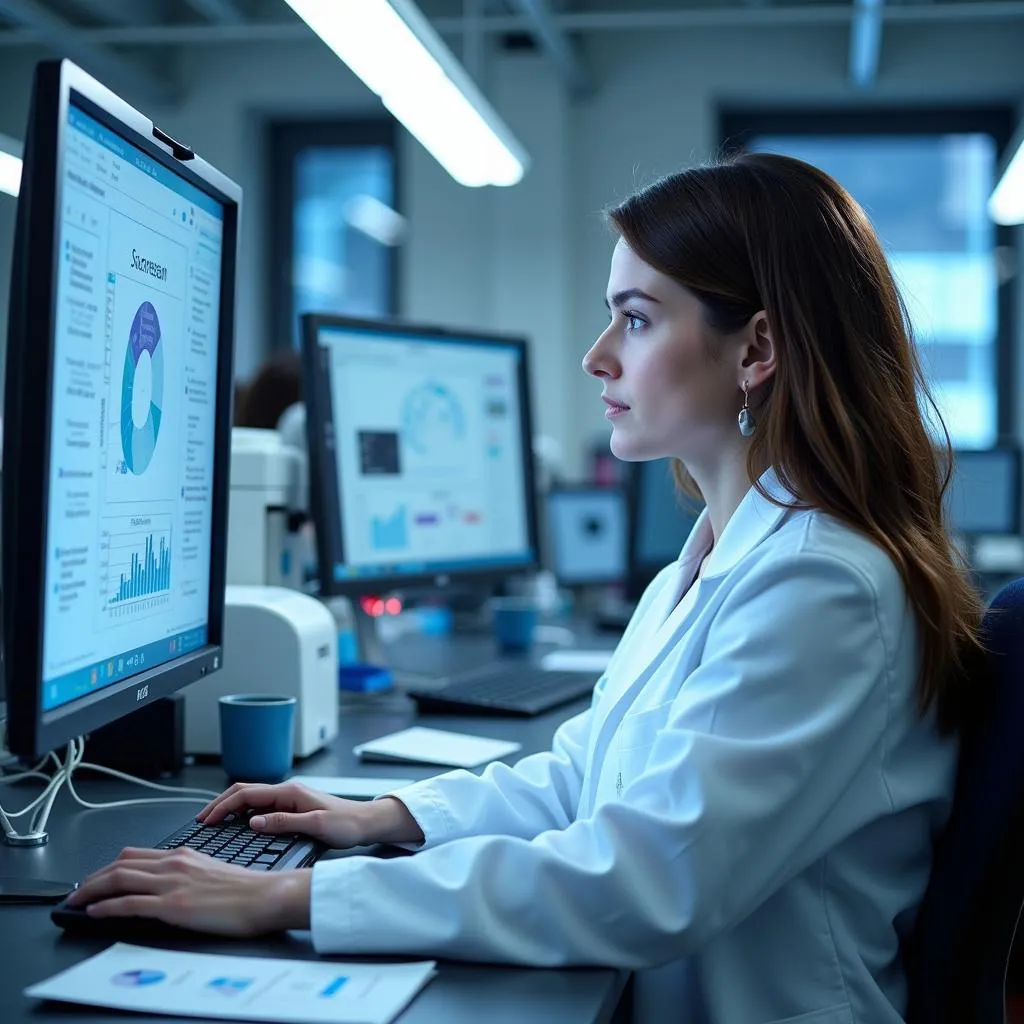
column 420, row 458
column 116, row 420
column 660, row 520
column 586, row 528
column 984, row 495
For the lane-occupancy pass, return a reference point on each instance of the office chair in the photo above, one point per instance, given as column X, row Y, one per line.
column 959, row 951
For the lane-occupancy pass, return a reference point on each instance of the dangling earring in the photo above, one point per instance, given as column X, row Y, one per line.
column 745, row 418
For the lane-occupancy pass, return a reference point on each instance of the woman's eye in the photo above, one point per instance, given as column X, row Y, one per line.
column 634, row 322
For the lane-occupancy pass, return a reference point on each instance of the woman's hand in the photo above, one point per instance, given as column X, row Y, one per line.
column 192, row 890
column 291, row 807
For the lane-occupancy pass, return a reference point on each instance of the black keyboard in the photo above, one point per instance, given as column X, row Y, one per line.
column 507, row 689
column 231, row 841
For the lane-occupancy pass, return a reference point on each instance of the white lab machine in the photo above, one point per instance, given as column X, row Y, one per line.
column 276, row 641
column 266, row 509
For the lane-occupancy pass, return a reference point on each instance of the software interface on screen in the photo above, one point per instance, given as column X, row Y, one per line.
column 132, row 430
column 429, row 449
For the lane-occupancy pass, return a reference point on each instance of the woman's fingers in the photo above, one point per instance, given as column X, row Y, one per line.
column 218, row 800
column 119, row 879
column 129, row 906
column 240, row 797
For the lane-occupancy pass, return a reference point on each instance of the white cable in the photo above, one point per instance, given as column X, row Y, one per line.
column 36, row 769
column 71, row 757
column 130, row 803
column 21, row 776
column 35, row 803
column 43, row 804
column 54, row 780
column 208, row 793
column 74, row 753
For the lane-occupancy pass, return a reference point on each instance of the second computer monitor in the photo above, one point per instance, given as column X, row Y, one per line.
column 420, row 458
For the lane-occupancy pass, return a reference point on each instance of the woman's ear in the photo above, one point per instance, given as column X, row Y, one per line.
column 757, row 351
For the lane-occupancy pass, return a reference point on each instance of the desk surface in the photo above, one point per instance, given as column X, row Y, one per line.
column 32, row 949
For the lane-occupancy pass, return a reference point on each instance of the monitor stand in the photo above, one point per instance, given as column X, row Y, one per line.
column 368, row 639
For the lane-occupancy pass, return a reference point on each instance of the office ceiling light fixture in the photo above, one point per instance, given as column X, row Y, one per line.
column 1006, row 204
column 392, row 47
column 10, row 165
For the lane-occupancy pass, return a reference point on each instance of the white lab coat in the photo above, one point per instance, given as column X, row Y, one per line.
column 744, row 815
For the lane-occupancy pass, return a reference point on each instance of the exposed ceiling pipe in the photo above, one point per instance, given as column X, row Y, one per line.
column 140, row 85
column 610, row 21
column 557, row 45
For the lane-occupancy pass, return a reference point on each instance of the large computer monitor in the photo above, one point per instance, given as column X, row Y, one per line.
column 984, row 495
column 660, row 521
column 420, row 454
column 117, row 415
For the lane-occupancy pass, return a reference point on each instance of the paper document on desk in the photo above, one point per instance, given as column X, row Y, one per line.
column 165, row 981
column 435, row 746
column 357, row 788
column 576, row 661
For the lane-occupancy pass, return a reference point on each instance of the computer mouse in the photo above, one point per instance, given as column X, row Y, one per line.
column 76, row 922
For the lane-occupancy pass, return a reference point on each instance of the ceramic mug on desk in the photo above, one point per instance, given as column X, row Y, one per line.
column 256, row 736
column 513, row 620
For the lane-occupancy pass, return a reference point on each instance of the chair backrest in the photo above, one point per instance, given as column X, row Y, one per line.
column 958, row 953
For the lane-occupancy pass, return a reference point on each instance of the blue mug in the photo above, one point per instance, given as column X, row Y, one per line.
column 257, row 736
column 513, row 620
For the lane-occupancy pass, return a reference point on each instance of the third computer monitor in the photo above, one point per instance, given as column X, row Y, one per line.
column 420, row 457
column 984, row 492
column 587, row 535
column 660, row 521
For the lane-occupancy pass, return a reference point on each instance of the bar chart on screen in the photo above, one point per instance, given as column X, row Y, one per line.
column 135, row 565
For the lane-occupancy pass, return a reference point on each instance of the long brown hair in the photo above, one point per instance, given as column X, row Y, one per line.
column 840, row 421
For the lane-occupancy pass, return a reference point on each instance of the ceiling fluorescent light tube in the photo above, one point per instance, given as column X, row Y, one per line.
column 392, row 47
column 1006, row 204
column 10, row 165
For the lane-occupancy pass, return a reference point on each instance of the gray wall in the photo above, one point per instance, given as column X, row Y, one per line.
column 534, row 258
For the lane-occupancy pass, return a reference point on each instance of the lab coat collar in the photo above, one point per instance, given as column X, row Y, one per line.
column 754, row 518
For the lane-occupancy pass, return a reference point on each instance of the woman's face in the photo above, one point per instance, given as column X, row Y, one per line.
column 670, row 386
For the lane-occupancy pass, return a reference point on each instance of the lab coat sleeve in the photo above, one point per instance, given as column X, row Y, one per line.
column 744, row 787
column 540, row 792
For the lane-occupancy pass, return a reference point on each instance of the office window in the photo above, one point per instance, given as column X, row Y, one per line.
column 924, row 181
column 333, row 194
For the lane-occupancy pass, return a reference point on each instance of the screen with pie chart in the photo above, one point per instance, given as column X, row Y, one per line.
column 132, row 451
column 142, row 390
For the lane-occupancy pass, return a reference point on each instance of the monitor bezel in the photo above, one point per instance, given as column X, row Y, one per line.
column 323, row 483
column 31, row 730
column 618, row 492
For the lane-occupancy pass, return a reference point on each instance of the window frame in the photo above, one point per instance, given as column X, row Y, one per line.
column 286, row 138
column 737, row 124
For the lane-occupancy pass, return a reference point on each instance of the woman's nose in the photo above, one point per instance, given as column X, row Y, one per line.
column 598, row 362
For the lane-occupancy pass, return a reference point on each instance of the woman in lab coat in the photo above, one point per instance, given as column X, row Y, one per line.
column 745, row 814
